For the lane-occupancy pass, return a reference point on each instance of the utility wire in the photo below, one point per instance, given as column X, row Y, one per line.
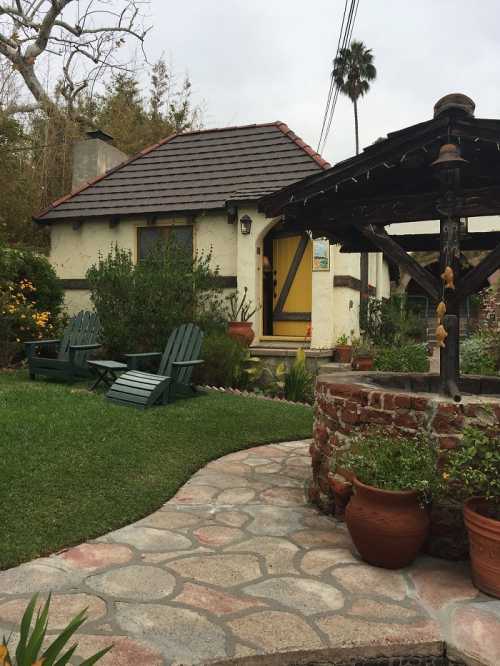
column 330, row 90
column 345, row 40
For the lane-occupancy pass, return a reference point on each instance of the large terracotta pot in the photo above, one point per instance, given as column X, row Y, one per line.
column 388, row 527
column 241, row 331
column 362, row 363
column 344, row 353
column 484, row 545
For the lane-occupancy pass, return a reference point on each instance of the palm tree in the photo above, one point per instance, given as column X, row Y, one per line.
column 353, row 68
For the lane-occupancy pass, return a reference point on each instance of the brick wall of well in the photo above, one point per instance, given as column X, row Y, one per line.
column 344, row 408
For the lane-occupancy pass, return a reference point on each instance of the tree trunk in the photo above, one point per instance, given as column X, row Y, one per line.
column 356, row 127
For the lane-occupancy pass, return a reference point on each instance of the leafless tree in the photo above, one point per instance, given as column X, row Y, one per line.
column 86, row 36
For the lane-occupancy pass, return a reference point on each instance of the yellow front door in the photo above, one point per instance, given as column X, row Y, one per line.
column 292, row 294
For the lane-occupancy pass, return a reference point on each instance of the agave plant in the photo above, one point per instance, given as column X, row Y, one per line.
column 29, row 649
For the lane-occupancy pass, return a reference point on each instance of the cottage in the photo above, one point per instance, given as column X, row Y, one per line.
column 203, row 188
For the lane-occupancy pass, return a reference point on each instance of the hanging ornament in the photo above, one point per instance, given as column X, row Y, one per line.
column 441, row 335
column 447, row 277
column 441, row 311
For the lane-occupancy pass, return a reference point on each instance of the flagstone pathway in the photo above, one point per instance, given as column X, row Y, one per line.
column 237, row 566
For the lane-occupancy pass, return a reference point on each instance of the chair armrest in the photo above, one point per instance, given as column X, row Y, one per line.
column 34, row 343
column 133, row 359
column 186, row 364
column 84, row 347
column 31, row 345
column 178, row 365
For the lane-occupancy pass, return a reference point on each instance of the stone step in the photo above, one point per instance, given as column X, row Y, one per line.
column 328, row 368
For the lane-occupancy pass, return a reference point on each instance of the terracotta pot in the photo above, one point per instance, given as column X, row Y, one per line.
column 484, row 545
column 388, row 527
column 241, row 331
column 344, row 353
column 362, row 363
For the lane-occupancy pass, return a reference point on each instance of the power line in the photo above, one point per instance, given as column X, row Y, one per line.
column 332, row 100
column 330, row 91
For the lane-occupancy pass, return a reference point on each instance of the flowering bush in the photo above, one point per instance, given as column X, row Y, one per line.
column 30, row 301
column 20, row 320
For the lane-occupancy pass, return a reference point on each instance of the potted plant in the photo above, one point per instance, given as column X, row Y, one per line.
column 343, row 349
column 393, row 479
column 473, row 470
column 362, row 353
column 240, row 312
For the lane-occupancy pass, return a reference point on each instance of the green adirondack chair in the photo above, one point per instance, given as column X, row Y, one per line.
column 145, row 389
column 79, row 339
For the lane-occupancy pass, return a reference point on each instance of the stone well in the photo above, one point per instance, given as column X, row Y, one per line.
column 406, row 403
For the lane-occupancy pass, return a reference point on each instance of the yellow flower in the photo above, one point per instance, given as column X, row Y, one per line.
column 445, row 476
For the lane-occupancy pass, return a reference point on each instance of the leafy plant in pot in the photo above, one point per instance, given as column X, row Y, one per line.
column 473, row 470
column 240, row 311
column 343, row 349
column 393, row 480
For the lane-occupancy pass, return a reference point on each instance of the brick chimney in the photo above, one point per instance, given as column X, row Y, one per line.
column 93, row 156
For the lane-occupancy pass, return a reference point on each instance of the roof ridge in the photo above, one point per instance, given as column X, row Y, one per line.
column 324, row 164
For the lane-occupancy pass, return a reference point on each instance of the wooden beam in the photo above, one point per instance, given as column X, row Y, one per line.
column 479, row 274
column 424, row 242
column 387, row 244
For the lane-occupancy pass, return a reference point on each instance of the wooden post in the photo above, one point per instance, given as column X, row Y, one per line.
column 449, row 256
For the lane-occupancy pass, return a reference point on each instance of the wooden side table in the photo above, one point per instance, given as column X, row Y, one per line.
column 106, row 371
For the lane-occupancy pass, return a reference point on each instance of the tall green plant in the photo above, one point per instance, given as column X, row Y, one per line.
column 140, row 304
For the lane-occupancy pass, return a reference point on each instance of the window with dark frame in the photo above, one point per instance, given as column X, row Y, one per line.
column 149, row 237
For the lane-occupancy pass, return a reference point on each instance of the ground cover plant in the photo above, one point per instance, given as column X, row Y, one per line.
column 75, row 466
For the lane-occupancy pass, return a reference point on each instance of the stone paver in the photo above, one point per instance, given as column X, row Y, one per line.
column 237, row 566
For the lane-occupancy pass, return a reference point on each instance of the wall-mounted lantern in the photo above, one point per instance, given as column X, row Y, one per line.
column 246, row 225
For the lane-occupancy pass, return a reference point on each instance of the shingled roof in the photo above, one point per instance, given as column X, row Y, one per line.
column 195, row 171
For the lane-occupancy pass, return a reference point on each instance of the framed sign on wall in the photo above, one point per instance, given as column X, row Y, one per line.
column 321, row 254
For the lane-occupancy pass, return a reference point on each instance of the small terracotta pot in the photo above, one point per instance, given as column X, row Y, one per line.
column 344, row 353
column 388, row 527
column 342, row 493
column 362, row 363
column 241, row 331
column 484, row 546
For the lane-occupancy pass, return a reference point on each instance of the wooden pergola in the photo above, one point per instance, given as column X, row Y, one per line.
column 447, row 168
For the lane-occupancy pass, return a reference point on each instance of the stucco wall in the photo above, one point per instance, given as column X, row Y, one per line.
column 335, row 311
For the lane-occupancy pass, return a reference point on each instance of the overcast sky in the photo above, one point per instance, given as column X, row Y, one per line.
column 254, row 61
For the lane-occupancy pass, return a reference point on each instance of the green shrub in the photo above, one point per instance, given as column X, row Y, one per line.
column 473, row 468
column 140, row 304
column 32, row 650
column 224, row 362
column 405, row 358
column 30, row 302
column 392, row 322
column 393, row 462
column 477, row 355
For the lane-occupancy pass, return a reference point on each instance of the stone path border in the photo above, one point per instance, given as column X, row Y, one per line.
column 237, row 568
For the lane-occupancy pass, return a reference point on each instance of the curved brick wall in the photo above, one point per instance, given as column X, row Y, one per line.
column 345, row 404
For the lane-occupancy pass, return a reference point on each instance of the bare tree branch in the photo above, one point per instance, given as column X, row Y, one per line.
column 88, row 43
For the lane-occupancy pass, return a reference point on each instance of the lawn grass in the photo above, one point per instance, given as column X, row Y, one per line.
column 74, row 466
